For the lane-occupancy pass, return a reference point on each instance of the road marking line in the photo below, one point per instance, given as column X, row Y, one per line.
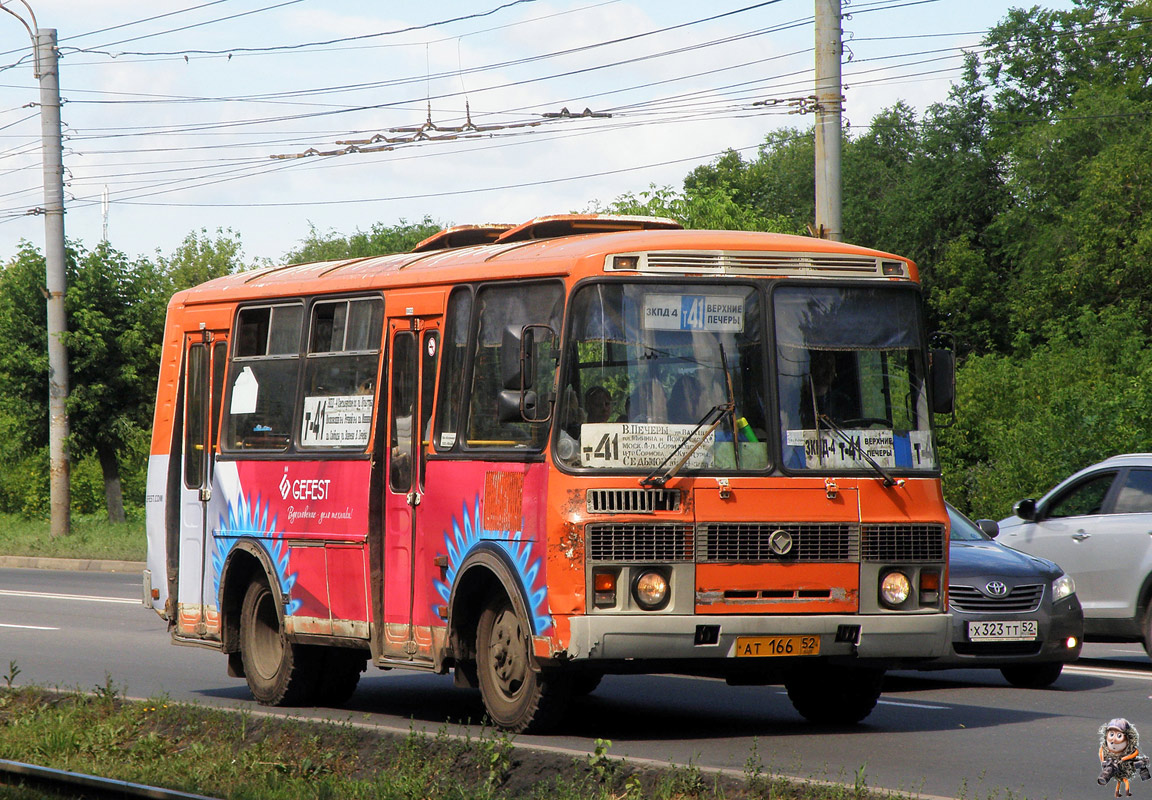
column 28, row 627
column 1109, row 672
column 907, row 704
column 84, row 597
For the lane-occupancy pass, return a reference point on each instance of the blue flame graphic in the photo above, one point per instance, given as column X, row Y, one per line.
column 467, row 532
column 246, row 519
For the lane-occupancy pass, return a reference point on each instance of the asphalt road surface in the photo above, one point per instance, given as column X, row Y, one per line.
column 957, row 733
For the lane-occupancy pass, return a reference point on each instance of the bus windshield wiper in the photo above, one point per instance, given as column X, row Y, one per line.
column 712, row 420
column 854, row 447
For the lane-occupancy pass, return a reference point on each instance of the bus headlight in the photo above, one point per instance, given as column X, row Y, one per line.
column 650, row 590
column 895, row 588
column 1063, row 587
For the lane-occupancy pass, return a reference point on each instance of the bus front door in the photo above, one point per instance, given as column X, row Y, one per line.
column 414, row 351
column 205, row 360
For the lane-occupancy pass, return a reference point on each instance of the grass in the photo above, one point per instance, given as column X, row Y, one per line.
column 238, row 755
column 92, row 536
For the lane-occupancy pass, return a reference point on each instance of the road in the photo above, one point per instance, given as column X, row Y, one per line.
column 957, row 733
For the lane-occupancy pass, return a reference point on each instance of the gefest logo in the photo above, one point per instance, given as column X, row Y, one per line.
column 304, row 488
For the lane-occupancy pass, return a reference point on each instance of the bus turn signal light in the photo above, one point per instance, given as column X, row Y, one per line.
column 604, row 586
column 929, row 588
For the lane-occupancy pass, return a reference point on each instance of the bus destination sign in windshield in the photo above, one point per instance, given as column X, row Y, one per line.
column 693, row 312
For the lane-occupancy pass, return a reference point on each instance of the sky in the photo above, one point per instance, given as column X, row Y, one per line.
column 270, row 117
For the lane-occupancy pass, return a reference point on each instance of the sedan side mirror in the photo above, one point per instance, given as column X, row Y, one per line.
column 1025, row 510
column 990, row 527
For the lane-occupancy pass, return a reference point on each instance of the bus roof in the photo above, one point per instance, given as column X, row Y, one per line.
column 570, row 252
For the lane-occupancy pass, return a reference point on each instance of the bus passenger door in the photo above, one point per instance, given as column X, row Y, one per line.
column 205, row 360
column 414, row 351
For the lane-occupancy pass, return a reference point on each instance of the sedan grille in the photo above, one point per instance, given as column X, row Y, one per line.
column 752, row 542
column 639, row 542
column 1019, row 599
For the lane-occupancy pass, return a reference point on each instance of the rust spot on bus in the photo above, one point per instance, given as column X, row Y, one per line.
column 503, row 500
column 571, row 544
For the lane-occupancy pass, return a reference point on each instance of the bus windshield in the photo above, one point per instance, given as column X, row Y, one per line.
column 647, row 363
column 649, row 367
column 850, row 367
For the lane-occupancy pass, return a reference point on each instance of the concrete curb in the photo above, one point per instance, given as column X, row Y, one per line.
column 73, row 564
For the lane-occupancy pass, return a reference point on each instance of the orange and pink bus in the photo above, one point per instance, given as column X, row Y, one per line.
column 535, row 455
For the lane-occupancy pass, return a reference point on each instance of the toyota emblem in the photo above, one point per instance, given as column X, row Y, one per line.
column 996, row 589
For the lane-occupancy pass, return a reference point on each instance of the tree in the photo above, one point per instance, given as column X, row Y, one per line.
column 200, row 258
column 115, row 326
column 380, row 240
column 878, row 185
column 778, row 183
column 703, row 208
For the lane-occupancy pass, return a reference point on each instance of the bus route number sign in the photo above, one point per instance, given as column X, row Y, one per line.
column 693, row 312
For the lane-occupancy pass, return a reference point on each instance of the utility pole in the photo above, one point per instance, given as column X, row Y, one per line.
column 46, row 69
column 47, row 64
column 829, row 103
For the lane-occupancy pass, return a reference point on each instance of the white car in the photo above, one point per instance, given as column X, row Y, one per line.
column 1097, row 525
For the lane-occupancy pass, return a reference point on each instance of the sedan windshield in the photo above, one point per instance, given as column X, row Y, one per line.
column 962, row 529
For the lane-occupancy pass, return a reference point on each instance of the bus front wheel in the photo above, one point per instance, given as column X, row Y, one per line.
column 278, row 672
column 834, row 695
column 517, row 698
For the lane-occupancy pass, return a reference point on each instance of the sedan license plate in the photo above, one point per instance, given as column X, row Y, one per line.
column 765, row 646
column 990, row 631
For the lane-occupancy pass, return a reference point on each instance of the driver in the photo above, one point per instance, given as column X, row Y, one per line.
column 822, row 394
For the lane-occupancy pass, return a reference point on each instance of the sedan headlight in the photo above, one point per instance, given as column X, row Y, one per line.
column 1063, row 587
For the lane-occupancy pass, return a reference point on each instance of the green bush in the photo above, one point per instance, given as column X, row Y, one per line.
column 1026, row 422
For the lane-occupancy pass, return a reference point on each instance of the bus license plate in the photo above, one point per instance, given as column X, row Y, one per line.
column 762, row 646
column 991, row 631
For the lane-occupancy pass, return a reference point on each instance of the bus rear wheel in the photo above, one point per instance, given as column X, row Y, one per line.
column 517, row 698
column 278, row 672
column 834, row 695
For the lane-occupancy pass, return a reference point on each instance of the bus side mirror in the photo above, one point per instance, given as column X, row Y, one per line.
column 942, row 374
column 516, row 406
column 511, row 374
column 522, row 353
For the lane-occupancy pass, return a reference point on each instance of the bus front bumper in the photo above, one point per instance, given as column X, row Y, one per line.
column 877, row 638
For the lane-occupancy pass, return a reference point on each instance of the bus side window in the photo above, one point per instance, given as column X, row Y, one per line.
column 340, row 373
column 503, row 306
column 262, row 378
column 455, row 355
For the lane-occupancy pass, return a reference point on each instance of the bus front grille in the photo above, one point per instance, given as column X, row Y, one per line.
column 632, row 501
column 749, row 542
column 909, row 543
column 639, row 542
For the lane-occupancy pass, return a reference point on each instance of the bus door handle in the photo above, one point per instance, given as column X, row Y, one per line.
column 1080, row 536
column 414, row 499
